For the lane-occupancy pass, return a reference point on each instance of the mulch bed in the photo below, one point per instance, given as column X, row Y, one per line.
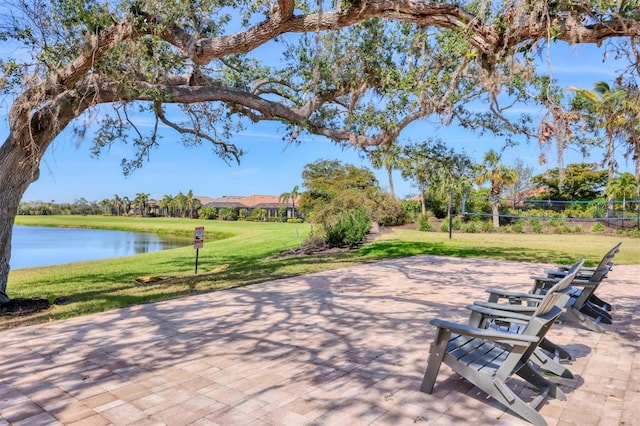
column 21, row 306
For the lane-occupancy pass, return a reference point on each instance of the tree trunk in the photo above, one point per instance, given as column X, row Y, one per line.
column 495, row 212
column 17, row 171
column 610, row 173
column 32, row 131
column 422, row 202
column 390, row 174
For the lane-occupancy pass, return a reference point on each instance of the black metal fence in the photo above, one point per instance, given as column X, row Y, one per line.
column 618, row 213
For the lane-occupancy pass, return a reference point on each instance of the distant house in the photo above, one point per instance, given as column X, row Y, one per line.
column 271, row 203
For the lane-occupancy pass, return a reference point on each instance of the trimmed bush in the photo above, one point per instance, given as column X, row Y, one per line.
column 562, row 228
column 228, row 213
column 518, row 227
column 487, row 226
column 425, row 224
column 536, row 226
column 208, row 213
column 598, row 228
column 471, row 227
column 632, row 233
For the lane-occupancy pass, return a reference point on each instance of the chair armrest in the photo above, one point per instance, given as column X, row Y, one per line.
column 544, row 279
column 582, row 275
column 584, row 283
column 513, row 294
column 541, row 283
column 487, row 334
column 515, row 297
column 520, row 312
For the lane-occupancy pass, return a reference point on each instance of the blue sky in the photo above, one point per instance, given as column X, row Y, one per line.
column 68, row 172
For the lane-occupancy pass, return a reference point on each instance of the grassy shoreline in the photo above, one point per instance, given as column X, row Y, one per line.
column 244, row 254
column 162, row 226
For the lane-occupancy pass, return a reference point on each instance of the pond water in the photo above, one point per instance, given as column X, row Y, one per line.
column 43, row 246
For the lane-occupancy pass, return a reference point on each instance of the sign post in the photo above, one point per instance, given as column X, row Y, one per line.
column 198, row 242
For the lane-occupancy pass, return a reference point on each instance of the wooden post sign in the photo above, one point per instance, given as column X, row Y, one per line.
column 198, row 242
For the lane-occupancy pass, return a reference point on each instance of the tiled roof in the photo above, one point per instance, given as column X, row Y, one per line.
column 251, row 201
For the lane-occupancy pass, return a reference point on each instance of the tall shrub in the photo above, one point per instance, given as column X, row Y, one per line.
column 349, row 230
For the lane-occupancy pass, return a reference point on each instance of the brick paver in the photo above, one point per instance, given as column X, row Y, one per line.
column 345, row 347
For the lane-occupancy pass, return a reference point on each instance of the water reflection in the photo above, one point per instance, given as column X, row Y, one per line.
column 42, row 246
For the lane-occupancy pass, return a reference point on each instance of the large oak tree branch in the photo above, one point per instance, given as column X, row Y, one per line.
column 486, row 37
column 266, row 109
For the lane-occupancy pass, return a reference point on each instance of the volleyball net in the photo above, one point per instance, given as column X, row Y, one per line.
column 511, row 208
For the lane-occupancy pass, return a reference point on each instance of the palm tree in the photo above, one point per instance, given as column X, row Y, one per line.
column 632, row 129
column 165, row 205
column 624, row 186
column 388, row 157
column 180, row 204
column 117, row 203
column 607, row 109
column 499, row 175
column 190, row 203
column 556, row 124
column 196, row 204
column 141, row 201
column 106, row 205
column 453, row 177
column 126, row 203
column 418, row 163
column 285, row 196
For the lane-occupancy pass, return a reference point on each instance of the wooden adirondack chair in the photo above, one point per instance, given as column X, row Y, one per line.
column 593, row 275
column 521, row 306
column 586, row 272
column 580, row 308
column 488, row 358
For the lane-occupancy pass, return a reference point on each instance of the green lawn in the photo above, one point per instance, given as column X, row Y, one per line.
column 241, row 253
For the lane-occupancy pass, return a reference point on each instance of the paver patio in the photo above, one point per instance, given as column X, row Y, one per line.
column 345, row 347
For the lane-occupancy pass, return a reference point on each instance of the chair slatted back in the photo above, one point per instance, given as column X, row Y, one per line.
column 554, row 294
column 605, row 264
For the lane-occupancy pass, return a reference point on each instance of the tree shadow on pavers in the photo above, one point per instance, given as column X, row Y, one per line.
column 356, row 329
column 478, row 407
column 626, row 322
column 340, row 321
column 494, row 270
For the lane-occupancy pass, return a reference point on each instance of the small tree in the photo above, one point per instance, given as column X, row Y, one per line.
column 515, row 190
column 259, row 214
column 292, row 195
column 623, row 187
column 387, row 157
column 282, row 212
column 498, row 175
column 436, row 170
